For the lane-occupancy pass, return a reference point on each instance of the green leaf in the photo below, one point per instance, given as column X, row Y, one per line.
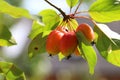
column 117, row 41
column 114, row 57
column 37, row 27
column 37, row 45
column 108, row 44
column 72, row 3
column 88, row 51
column 50, row 20
column 2, row 76
column 105, row 10
column 8, row 71
column 6, row 37
column 40, row 30
column 15, row 12
column 49, row 17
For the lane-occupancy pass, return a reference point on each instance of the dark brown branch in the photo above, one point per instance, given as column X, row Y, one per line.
column 63, row 13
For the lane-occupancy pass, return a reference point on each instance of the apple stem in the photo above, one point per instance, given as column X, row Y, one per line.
column 78, row 7
column 63, row 13
column 85, row 17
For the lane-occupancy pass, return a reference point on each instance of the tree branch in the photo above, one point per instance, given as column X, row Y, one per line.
column 63, row 13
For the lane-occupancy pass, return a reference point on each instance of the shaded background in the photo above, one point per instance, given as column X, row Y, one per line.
column 43, row 67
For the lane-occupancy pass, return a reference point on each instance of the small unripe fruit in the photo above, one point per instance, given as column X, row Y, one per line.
column 68, row 43
column 53, row 42
column 87, row 31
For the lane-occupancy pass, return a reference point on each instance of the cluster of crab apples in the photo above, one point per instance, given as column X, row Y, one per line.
column 65, row 41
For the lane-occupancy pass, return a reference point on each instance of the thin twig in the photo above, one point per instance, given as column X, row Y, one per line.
column 78, row 6
column 63, row 13
column 85, row 11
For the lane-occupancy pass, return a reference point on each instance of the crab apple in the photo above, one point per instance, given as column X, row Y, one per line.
column 53, row 42
column 68, row 43
column 87, row 31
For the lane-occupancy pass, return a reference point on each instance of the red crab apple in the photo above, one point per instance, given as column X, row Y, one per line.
column 87, row 31
column 68, row 43
column 53, row 42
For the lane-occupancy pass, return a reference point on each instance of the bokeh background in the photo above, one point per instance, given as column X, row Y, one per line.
column 42, row 67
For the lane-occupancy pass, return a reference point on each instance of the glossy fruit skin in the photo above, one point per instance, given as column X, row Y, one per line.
column 68, row 43
column 53, row 42
column 87, row 31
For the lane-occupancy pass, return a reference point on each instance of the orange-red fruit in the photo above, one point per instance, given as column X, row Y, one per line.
column 53, row 42
column 87, row 31
column 68, row 43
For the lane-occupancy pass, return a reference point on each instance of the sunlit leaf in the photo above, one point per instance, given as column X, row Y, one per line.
column 109, row 32
column 48, row 23
column 8, row 71
column 72, row 3
column 37, row 27
column 49, row 17
column 37, row 45
column 105, row 10
column 40, row 30
column 108, row 44
column 88, row 52
column 6, row 37
column 15, row 12
column 114, row 57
